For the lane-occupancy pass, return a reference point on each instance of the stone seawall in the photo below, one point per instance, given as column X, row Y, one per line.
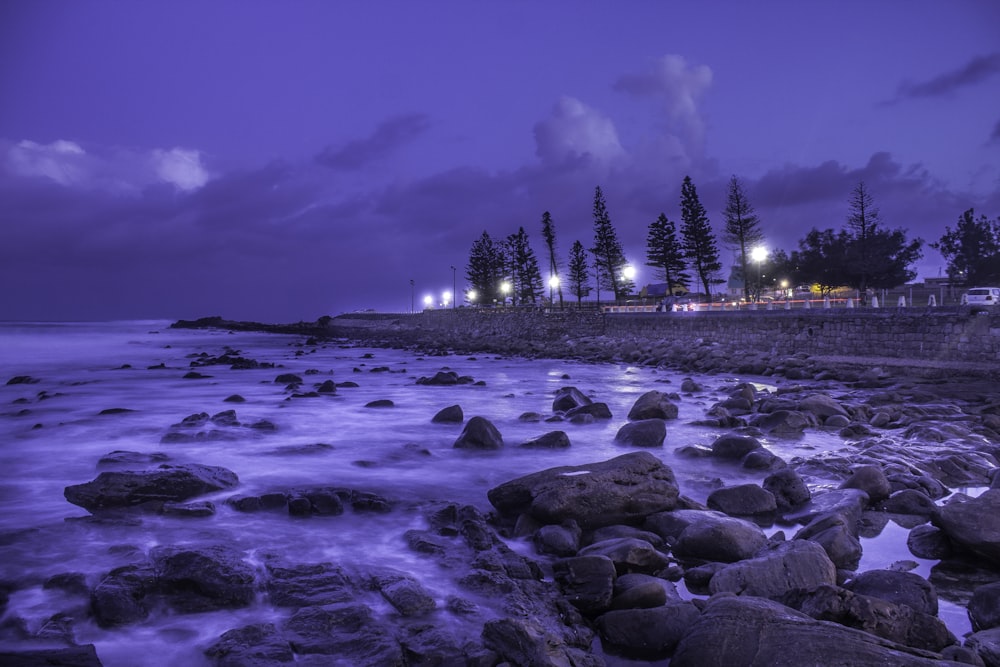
column 943, row 335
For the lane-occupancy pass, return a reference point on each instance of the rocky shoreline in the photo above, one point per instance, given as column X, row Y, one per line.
column 607, row 544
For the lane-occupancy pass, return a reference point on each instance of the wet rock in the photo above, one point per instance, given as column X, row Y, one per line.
column 225, row 418
column 445, row 379
column 848, row 502
column 149, row 489
column 305, row 585
column 451, row 415
column 644, row 433
column 588, row 582
column 288, row 378
column 349, row 632
column 837, row 536
column 911, row 502
column 762, row 459
column 782, row 422
column 647, row 634
column 984, row 607
column 707, row 535
column 904, row 588
column 204, row 578
column 550, row 440
column 560, row 541
column 23, row 379
column 404, row 593
column 256, row 645
column 653, row 405
column 732, row 446
column 973, row 523
column 526, row 642
column 595, row 410
column 871, row 480
column 568, row 398
column 742, row 500
column 628, row 554
column 621, row 490
column 642, row 591
column 234, row 398
column 196, row 509
column 929, row 542
column 787, row 487
column 782, row 567
column 689, row 386
column 327, row 387
column 69, row 656
column 479, row 433
column 119, row 598
column 122, row 458
column 880, row 617
column 732, row 628
column 380, row 403
column 822, row 406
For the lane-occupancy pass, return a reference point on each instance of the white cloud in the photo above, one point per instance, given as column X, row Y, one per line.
column 180, row 166
column 575, row 130
column 62, row 161
column 121, row 171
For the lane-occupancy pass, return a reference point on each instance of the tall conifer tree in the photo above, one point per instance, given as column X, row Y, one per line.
column 698, row 239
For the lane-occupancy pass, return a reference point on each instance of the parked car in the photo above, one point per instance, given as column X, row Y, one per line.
column 982, row 296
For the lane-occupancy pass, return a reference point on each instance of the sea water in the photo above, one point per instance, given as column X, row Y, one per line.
column 53, row 432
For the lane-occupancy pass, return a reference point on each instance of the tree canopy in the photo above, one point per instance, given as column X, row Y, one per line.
column 609, row 258
column 666, row 255
column 972, row 250
column 742, row 230
column 699, row 243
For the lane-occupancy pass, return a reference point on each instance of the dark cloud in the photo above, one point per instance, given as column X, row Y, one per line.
column 390, row 135
column 975, row 71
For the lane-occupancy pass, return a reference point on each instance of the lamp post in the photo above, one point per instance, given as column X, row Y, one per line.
column 505, row 290
column 758, row 255
column 445, row 298
column 454, row 286
column 553, row 285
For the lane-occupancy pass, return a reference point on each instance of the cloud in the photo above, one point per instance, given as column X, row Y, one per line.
column 678, row 86
column 117, row 170
column 574, row 131
column 975, row 71
column 180, row 167
column 388, row 137
column 995, row 137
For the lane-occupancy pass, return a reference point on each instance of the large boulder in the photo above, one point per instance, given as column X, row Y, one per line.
column 479, row 433
column 984, row 607
column 905, row 588
column 733, row 446
column 653, row 405
column 568, row 398
column 823, row 406
column 789, row 490
column 647, row 634
column 621, row 490
column 707, row 535
column 253, row 645
column 880, row 617
column 149, row 489
column 349, row 632
column 871, row 480
column 588, row 582
column 644, row 433
column 973, row 523
column 742, row 500
column 755, row 632
column 783, row 567
column 629, row 554
column 204, row 578
column 837, row 537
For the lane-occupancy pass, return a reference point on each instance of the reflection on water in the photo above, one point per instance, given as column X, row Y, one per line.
column 53, row 432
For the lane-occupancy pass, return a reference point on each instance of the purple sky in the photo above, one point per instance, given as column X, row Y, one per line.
column 281, row 161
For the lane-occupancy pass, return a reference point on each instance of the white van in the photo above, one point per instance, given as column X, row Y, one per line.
column 982, row 296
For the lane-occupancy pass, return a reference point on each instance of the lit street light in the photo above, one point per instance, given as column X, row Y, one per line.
column 454, row 285
column 445, row 298
column 428, row 301
column 471, row 296
column 505, row 290
column 758, row 255
column 553, row 286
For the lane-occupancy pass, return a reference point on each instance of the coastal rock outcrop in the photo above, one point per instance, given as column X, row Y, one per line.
column 149, row 489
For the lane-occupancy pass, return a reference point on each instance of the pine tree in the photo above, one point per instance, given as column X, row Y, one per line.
column 665, row 254
column 549, row 234
column 698, row 239
column 579, row 276
column 525, row 276
column 485, row 269
column 609, row 259
column 742, row 228
column 876, row 258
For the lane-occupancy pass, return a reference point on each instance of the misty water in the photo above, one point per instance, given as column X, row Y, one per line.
column 52, row 435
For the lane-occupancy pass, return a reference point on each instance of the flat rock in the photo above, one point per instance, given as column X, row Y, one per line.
column 621, row 490
column 781, row 568
column 149, row 489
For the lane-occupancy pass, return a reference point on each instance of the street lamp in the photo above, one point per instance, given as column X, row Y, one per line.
column 428, row 301
column 471, row 295
column 454, row 285
column 758, row 255
column 553, row 286
column 411, row 297
column 445, row 298
column 505, row 290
